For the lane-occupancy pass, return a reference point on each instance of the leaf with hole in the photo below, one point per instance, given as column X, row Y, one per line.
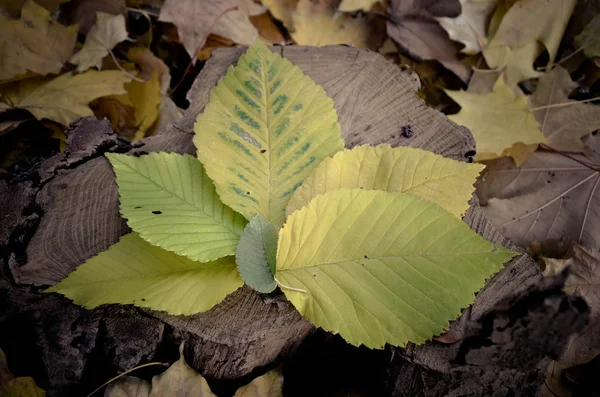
column 133, row 271
column 169, row 200
column 446, row 182
column 267, row 125
column 379, row 267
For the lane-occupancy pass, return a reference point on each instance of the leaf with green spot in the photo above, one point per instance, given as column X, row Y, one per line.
column 267, row 125
column 169, row 200
column 256, row 252
column 379, row 267
column 133, row 271
column 446, row 182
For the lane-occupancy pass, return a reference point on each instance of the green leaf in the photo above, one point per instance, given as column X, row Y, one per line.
column 256, row 253
column 379, row 267
column 446, row 182
column 169, row 200
column 267, row 125
column 133, row 271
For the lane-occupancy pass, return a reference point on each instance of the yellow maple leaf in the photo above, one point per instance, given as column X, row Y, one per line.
column 64, row 98
column 500, row 122
column 108, row 31
column 282, row 10
column 35, row 43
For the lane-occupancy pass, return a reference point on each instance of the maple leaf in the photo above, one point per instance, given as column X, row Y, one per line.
column 66, row 97
column 470, row 26
column 550, row 197
column 498, row 121
column 563, row 126
column 589, row 38
column 194, row 19
column 584, row 281
column 35, row 43
column 413, row 26
column 515, row 43
column 282, row 10
column 108, row 31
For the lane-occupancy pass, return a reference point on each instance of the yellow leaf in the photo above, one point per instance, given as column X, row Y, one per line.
column 236, row 26
column 66, row 97
column 282, row 10
column 318, row 24
column 446, row 182
column 356, row 5
column 267, row 385
column 145, row 97
column 527, row 23
column 13, row 7
column 498, row 121
column 108, row 31
column 21, row 387
column 35, row 43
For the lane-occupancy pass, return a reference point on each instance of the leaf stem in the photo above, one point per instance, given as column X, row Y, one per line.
column 558, row 105
column 288, row 287
column 123, row 70
column 125, row 373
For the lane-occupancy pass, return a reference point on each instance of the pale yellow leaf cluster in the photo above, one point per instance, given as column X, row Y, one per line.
column 500, row 122
column 34, row 44
column 66, row 97
column 108, row 31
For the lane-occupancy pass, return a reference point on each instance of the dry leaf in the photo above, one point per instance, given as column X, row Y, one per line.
column 16, row 387
column 498, row 121
column 563, row 126
column 267, row 30
column 121, row 115
column 128, row 386
column 194, row 19
column 317, row 23
column 267, row 385
column 589, row 38
column 550, row 197
column 584, row 281
column 83, row 12
column 236, row 26
column 470, row 26
column 149, row 64
column 63, row 98
column 212, row 43
column 413, row 26
column 35, row 43
column 168, row 113
column 13, row 7
column 282, row 10
column 250, row 8
column 514, row 45
column 357, row 5
column 108, row 31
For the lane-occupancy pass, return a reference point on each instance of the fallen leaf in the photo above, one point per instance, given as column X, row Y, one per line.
column 250, row 8
column 413, row 26
column 515, row 44
column 149, row 64
column 584, row 281
column 589, row 38
column 550, row 196
column 21, row 387
column 317, row 23
column 470, row 26
column 35, row 43
column 168, row 113
column 357, row 5
column 482, row 81
column 553, row 385
column 267, row 385
column 5, row 374
column 66, row 97
column 282, row 10
column 267, row 29
column 498, row 121
column 108, row 31
column 13, row 7
column 236, row 26
column 83, row 12
column 128, row 386
column 194, row 19
column 121, row 115
column 212, row 43
column 563, row 126
column 146, row 98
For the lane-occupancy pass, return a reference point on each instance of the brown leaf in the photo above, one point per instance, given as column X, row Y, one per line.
column 34, row 43
column 282, row 10
column 267, row 30
column 120, row 115
column 83, row 12
column 550, row 197
column 13, row 7
column 150, row 63
column 194, row 19
column 236, row 26
column 413, row 27
column 563, row 126
column 584, row 281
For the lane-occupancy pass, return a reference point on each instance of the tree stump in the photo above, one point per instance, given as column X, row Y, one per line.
column 69, row 212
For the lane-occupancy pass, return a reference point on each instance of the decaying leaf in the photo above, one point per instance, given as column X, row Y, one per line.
column 35, row 43
column 470, row 27
column 108, row 31
column 128, row 386
column 550, row 197
column 413, row 26
column 282, row 10
column 563, row 126
column 64, row 98
column 379, row 267
column 83, row 12
column 145, row 97
column 515, row 44
column 13, row 7
column 589, row 38
column 584, row 280
column 236, row 26
column 268, row 31
column 267, row 385
column 317, row 23
column 498, row 121
column 267, row 125
column 356, row 5
column 194, row 19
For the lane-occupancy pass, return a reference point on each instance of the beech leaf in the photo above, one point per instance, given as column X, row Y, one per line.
column 446, row 182
column 379, row 267
column 267, row 125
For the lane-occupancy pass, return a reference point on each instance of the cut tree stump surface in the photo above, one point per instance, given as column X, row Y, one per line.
column 69, row 213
